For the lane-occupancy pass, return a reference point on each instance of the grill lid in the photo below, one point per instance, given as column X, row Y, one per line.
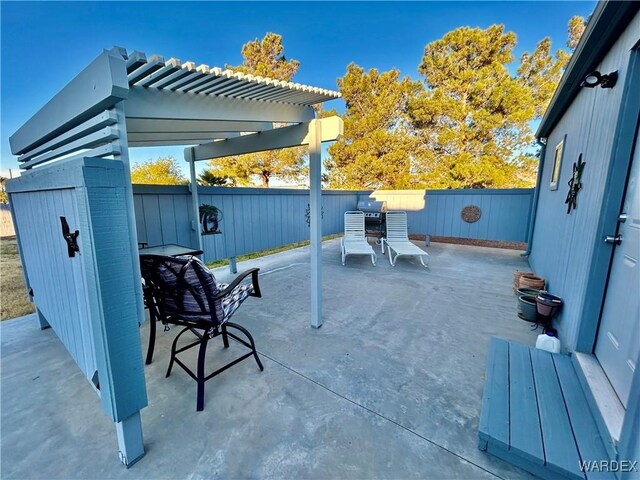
column 368, row 205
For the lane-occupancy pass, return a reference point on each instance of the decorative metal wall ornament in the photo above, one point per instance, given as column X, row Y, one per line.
column 471, row 213
column 307, row 214
column 575, row 185
column 210, row 218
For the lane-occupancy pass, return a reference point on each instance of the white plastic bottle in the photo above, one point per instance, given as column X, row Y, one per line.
column 549, row 342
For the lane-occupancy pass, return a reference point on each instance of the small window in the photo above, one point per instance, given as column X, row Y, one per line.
column 557, row 162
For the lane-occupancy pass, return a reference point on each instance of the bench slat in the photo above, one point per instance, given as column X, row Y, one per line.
column 560, row 449
column 494, row 421
column 525, row 435
column 584, row 425
column 535, row 414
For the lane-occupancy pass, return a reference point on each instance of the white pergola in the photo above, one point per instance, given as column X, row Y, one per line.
column 216, row 112
column 123, row 100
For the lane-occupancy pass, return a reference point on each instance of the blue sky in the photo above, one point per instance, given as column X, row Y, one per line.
column 45, row 44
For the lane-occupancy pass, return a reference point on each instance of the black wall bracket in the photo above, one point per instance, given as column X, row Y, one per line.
column 70, row 238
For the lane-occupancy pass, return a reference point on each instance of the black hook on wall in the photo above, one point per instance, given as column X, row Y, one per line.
column 70, row 238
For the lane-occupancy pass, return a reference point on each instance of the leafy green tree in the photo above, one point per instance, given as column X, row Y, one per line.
column 265, row 58
column 541, row 71
column 163, row 171
column 469, row 121
column 376, row 150
column 473, row 116
column 208, row 178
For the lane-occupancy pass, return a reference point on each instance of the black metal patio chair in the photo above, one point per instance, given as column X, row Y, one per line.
column 183, row 291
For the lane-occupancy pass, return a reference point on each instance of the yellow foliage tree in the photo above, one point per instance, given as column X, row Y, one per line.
column 163, row 171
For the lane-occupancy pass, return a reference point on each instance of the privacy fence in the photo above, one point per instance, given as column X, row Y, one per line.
column 256, row 219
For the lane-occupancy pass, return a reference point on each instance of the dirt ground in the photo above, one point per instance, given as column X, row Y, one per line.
column 474, row 242
column 13, row 297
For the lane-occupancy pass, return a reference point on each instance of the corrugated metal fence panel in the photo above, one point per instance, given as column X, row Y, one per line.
column 257, row 219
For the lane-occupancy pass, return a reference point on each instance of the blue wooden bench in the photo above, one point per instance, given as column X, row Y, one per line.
column 535, row 414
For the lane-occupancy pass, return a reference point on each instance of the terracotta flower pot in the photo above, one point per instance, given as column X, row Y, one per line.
column 516, row 279
column 528, row 280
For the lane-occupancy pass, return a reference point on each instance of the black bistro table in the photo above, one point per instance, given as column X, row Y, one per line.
column 169, row 250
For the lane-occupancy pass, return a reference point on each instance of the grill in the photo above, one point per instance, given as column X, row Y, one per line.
column 373, row 215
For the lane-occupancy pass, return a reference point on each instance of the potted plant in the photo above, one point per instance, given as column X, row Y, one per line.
column 527, row 308
column 210, row 218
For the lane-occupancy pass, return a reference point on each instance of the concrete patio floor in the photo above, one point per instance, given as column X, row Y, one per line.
column 390, row 387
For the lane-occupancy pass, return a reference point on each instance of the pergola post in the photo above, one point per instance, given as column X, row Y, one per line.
column 305, row 133
column 122, row 143
column 195, row 224
column 129, row 430
column 315, row 210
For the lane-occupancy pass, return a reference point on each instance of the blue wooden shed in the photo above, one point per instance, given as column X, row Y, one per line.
column 585, row 241
column 73, row 207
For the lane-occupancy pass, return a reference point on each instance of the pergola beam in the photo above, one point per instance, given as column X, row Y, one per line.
column 181, row 138
column 153, row 103
column 170, row 126
column 292, row 136
column 101, row 85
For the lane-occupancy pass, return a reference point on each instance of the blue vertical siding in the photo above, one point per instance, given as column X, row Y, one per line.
column 54, row 277
column 563, row 244
column 90, row 299
column 258, row 219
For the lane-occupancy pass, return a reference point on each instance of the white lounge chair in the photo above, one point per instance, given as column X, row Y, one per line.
column 397, row 239
column 355, row 241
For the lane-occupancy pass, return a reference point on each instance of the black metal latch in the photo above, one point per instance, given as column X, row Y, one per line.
column 70, row 238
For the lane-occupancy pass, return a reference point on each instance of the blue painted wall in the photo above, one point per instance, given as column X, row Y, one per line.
column 563, row 244
column 89, row 299
column 505, row 213
column 257, row 219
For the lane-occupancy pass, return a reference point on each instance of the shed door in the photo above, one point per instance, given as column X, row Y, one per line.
column 57, row 280
column 618, row 344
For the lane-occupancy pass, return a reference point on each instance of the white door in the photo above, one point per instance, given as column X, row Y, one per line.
column 618, row 342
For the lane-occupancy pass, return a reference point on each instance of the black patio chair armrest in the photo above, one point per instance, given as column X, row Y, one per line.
column 254, row 279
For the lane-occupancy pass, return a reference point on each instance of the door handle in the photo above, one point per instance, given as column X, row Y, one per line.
column 617, row 240
column 70, row 238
